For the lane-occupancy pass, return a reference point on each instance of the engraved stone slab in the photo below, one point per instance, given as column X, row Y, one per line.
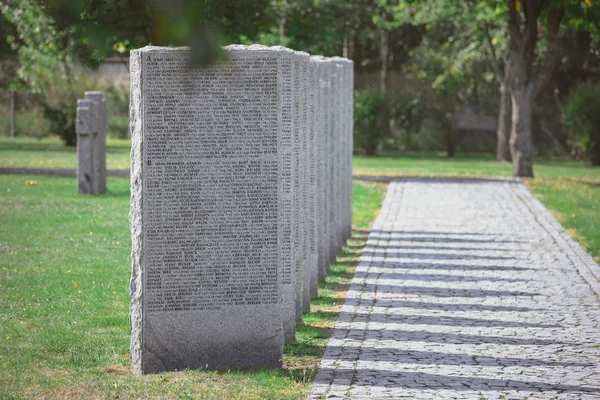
column 299, row 118
column 345, row 66
column 350, row 141
column 322, row 135
column 313, row 174
column 287, row 157
column 306, row 181
column 332, row 165
column 206, row 211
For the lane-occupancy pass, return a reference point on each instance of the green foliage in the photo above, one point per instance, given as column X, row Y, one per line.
column 582, row 119
column 117, row 104
column 371, row 120
column 47, row 65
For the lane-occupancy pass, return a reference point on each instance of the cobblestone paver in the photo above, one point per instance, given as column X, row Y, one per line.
column 466, row 290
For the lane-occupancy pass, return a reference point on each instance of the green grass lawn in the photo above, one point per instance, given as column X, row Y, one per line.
column 64, row 301
column 437, row 164
column 51, row 153
column 65, row 268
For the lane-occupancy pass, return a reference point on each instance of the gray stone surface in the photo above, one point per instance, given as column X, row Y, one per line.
column 348, row 103
column 308, row 182
column 299, row 215
column 92, row 151
column 338, row 173
column 306, row 195
column 333, row 193
column 99, row 140
column 205, row 216
column 286, row 139
column 350, row 147
column 84, row 127
column 467, row 289
column 313, row 158
column 321, row 139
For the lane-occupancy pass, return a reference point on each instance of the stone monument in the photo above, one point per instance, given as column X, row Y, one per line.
column 91, row 152
column 208, row 184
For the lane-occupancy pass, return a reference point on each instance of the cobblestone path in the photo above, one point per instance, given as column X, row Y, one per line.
column 467, row 289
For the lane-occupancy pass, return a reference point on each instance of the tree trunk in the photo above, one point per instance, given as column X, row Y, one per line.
column 450, row 144
column 384, row 54
column 370, row 149
column 521, row 147
column 504, row 121
column 12, row 113
column 451, row 136
column 595, row 156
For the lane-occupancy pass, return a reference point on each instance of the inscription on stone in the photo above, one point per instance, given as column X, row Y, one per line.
column 208, row 153
column 240, row 198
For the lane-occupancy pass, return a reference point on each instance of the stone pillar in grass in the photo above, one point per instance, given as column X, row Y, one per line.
column 350, row 142
column 313, row 162
column 299, row 118
column 99, row 140
column 287, row 92
column 345, row 99
column 307, row 195
column 85, row 128
column 211, row 197
column 91, row 152
column 323, row 183
column 332, row 158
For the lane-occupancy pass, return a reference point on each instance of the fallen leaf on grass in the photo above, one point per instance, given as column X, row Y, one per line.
column 31, row 182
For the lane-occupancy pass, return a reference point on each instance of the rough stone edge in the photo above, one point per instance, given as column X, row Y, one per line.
column 135, row 212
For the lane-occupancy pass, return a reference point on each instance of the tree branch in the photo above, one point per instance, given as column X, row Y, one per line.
column 513, row 22
column 553, row 50
column 495, row 61
column 532, row 10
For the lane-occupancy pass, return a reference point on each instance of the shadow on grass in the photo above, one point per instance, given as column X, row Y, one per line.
column 303, row 356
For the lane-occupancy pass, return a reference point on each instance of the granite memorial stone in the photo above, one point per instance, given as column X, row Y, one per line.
column 208, row 191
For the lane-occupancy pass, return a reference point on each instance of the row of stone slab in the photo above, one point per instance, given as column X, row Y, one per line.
column 241, row 188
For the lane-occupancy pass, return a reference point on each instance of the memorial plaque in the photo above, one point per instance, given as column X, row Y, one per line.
column 207, row 210
column 287, row 156
column 339, row 155
column 332, row 135
column 324, row 160
column 350, row 139
column 313, row 91
column 340, row 132
column 299, row 180
column 306, row 191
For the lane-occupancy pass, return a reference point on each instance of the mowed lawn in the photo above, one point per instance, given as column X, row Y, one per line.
column 65, row 268
column 64, row 301
column 51, row 153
